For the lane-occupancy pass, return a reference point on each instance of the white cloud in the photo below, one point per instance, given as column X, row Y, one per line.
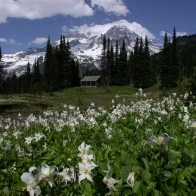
column 3, row 40
column 114, row 6
column 180, row 33
column 39, row 40
column 11, row 41
column 103, row 28
column 162, row 34
column 36, row 9
column 8, row 41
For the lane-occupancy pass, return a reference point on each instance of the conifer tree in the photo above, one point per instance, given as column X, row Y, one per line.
column 116, row 61
column 77, row 74
column 112, row 66
column 135, row 65
column 49, row 67
column 175, row 61
column 165, row 69
column 27, row 79
column 14, row 83
column 130, row 67
column 122, row 67
column 170, row 67
column 104, row 61
column 1, row 74
column 147, row 76
column 36, row 78
column 108, row 64
column 0, row 53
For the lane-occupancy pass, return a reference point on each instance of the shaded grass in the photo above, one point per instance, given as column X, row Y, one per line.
column 78, row 96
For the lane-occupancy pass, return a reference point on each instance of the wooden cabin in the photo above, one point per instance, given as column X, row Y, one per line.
column 90, row 81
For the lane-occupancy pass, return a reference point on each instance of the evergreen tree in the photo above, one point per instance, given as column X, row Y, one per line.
column 130, row 67
column 165, row 69
column 175, row 61
column 116, row 61
column 104, row 61
column 108, row 64
column 14, row 83
column 147, row 74
column 49, row 79
column 36, row 78
column 112, row 66
column 67, row 65
column 77, row 74
column 0, row 53
column 27, row 79
column 1, row 74
column 135, row 65
column 170, row 67
column 122, row 67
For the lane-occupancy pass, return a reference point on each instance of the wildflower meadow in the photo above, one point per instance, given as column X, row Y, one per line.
column 142, row 147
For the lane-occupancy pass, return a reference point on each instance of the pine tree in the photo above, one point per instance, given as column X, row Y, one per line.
column 135, row 65
column 77, row 74
column 103, row 61
column 147, row 76
column 49, row 79
column 14, row 83
column 36, row 78
column 122, row 67
column 112, row 66
column 175, row 61
column 170, row 67
column 27, row 79
column 108, row 63
column 165, row 69
column 130, row 67
column 0, row 53
column 67, row 65
column 116, row 62
column 1, row 74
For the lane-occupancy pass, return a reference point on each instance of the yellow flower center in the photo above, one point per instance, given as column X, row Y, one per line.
column 85, row 171
column 159, row 141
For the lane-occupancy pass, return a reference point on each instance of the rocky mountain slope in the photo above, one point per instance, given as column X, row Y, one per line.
column 86, row 47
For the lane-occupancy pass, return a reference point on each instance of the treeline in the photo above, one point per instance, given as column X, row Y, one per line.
column 59, row 70
column 176, row 63
column 168, row 68
column 119, row 68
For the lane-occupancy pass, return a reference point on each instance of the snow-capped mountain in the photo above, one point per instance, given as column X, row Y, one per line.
column 85, row 46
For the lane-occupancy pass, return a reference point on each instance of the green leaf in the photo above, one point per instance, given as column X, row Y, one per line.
column 87, row 189
column 145, row 161
column 136, row 187
column 124, row 172
column 193, row 192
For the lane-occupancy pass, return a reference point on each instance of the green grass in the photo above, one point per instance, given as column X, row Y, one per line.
column 78, row 96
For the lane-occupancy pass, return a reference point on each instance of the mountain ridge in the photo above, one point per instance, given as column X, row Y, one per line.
column 86, row 47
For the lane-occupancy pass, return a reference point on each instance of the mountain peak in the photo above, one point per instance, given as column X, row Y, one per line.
column 86, row 45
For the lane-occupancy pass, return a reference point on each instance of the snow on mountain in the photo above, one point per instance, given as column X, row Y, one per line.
column 86, row 44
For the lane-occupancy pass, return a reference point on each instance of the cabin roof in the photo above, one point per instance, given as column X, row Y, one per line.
column 90, row 78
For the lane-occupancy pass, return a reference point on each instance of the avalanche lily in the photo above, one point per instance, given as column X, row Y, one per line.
column 109, row 181
column 83, row 148
column 87, row 160
column 84, row 171
column 67, row 174
column 31, row 182
column 47, row 173
column 161, row 140
column 131, row 179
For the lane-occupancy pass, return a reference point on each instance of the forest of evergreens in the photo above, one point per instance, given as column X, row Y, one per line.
column 169, row 68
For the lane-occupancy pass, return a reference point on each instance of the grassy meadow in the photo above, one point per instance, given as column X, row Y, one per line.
column 117, row 141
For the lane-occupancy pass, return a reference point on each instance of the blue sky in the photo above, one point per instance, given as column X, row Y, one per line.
column 28, row 23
